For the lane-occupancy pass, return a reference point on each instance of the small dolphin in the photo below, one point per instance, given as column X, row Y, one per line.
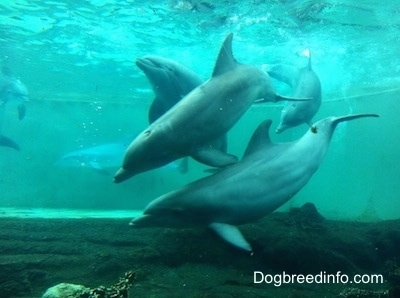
column 103, row 158
column 200, row 118
column 12, row 90
column 267, row 177
column 100, row 158
column 305, row 83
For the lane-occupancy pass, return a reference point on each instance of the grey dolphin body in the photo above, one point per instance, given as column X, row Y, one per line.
column 100, row 158
column 171, row 81
column 12, row 90
column 268, row 176
column 305, row 83
column 200, row 118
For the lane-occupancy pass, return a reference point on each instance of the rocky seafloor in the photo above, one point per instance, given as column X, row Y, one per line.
column 36, row 254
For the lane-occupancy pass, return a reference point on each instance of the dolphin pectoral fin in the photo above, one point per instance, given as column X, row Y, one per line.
column 7, row 142
column 287, row 98
column 21, row 111
column 213, row 157
column 99, row 169
column 231, row 234
column 281, row 98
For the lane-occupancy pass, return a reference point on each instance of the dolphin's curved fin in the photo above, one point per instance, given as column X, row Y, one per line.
column 214, row 157
column 7, row 142
column 99, row 169
column 260, row 138
column 225, row 60
column 231, row 234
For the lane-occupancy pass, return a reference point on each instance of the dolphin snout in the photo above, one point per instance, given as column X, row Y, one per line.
column 141, row 221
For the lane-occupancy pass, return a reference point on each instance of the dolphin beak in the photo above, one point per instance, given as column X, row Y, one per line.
column 146, row 64
column 141, row 221
column 122, row 175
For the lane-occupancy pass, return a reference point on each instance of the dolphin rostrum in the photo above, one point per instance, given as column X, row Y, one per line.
column 267, row 177
column 12, row 90
column 200, row 118
column 304, row 83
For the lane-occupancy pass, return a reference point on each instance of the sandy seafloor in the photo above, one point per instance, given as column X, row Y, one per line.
column 37, row 253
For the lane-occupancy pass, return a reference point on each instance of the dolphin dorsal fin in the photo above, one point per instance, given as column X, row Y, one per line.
column 260, row 138
column 225, row 60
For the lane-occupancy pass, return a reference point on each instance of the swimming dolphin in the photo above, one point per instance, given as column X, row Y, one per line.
column 171, row 81
column 305, row 83
column 103, row 158
column 12, row 90
column 100, row 158
column 202, row 116
column 267, row 177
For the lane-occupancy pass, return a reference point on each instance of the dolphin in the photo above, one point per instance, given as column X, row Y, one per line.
column 170, row 81
column 268, row 175
column 12, row 90
column 201, row 117
column 99, row 158
column 305, row 83
column 103, row 158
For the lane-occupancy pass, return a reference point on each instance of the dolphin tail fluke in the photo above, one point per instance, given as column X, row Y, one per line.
column 231, row 234
column 7, row 142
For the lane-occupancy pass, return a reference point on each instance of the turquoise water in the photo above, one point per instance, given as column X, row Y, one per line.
column 77, row 60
